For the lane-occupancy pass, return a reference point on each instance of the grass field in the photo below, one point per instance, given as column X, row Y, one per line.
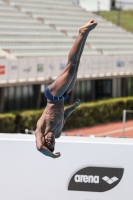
column 126, row 18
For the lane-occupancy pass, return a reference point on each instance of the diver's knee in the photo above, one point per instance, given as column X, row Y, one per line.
column 72, row 67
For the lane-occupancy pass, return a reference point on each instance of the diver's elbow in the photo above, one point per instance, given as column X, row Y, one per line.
column 39, row 147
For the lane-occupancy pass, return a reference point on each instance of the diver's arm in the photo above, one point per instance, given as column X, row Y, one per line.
column 47, row 152
column 70, row 109
column 40, row 147
column 58, row 135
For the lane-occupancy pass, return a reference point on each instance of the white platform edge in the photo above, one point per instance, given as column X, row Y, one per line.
column 68, row 139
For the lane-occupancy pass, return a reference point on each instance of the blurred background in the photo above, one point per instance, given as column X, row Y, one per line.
column 35, row 39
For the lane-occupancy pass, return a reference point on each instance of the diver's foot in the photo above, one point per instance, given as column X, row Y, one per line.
column 88, row 27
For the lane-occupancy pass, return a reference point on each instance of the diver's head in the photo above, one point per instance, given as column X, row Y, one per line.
column 49, row 141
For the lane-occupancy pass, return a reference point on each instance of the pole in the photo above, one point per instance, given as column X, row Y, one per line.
column 98, row 7
column 119, row 14
column 124, row 121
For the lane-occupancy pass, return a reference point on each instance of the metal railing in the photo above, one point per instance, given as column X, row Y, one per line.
column 124, row 120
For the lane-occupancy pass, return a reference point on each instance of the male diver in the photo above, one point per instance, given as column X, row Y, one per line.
column 50, row 124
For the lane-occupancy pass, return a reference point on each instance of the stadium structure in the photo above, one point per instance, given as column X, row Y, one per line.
column 35, row 39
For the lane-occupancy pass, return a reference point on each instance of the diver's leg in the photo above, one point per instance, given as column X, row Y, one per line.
column 76, row 71
column 62, row 82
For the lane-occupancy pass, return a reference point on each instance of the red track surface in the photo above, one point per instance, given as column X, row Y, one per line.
column 111, row 129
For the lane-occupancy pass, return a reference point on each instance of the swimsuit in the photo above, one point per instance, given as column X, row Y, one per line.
column 53, row 98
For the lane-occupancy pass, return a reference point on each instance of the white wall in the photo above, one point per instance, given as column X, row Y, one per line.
column 125, row 4
column 42, row 69
column 26, row 174
column 92, row 5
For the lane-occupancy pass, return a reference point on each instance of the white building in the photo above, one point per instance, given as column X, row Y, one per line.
column 96, row 5
column 124, row 4
column 105, row 5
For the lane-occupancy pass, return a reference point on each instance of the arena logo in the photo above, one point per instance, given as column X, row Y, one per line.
column 88, row 66
column 86, row 179
column 14, row 68
column 62, row 66
column 28, row 69
column 95, row 179
column 2, row 70
column 120, row 64
column 131, row 62
column 40, row 67
column 51, row 67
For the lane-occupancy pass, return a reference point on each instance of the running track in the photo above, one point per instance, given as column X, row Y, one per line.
column 112, row 129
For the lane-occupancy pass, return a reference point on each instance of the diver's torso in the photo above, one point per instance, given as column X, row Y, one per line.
column 52, row 119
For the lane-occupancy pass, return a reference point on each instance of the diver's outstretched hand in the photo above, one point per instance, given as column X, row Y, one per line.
column 77, row 103
column 57, row 155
